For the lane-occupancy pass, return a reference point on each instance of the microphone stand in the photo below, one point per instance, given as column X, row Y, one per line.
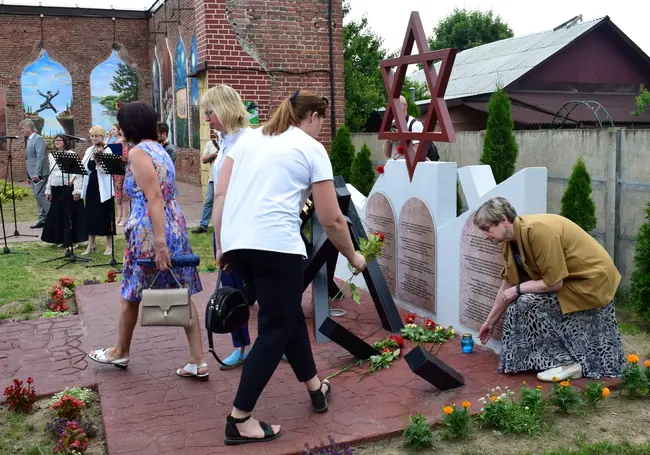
column 9, row 172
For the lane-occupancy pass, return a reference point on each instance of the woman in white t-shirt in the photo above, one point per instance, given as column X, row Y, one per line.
column 264, row 183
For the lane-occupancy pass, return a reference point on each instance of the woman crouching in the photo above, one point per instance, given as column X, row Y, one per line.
column 557, row 292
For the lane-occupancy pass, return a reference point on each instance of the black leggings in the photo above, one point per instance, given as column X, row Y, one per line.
column 277, row 281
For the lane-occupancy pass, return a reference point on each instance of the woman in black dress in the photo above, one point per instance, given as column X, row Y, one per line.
column 66, row 219
column 98, row 191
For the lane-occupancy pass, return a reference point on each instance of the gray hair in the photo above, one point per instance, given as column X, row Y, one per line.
column 28, row 123
column 492, row 210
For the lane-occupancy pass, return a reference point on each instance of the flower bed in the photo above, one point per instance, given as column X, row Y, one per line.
column 69, row 423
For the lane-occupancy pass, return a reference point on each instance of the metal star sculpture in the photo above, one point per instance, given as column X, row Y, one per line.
column 437, row 84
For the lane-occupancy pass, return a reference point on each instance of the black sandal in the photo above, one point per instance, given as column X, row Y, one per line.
column 233, row 437
column 319, row 399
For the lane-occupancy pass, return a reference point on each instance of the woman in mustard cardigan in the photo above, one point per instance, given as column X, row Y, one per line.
column 557, row 292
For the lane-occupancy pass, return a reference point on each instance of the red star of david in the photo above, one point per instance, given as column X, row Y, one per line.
column 437, row 86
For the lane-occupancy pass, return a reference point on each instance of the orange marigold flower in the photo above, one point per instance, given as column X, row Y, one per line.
column 539, row 387
column 564, row 383
column 447, row 410
column 494, row 398
column 605, row 392
column 646, row 364
column 555, row 379
column 633, row 358
column 466, row 404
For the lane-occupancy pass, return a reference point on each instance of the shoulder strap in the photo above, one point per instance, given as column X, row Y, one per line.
column 413, row 120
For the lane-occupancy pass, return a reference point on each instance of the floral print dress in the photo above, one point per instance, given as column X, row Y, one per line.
column 139, row 232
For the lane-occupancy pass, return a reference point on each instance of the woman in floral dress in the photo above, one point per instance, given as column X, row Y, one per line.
column 155, row 229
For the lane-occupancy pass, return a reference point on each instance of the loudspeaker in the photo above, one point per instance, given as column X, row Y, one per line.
column 433, row 370
column 347, row 340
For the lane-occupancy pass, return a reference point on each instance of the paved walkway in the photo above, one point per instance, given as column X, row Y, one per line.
column 147, row 409
column 190, row 199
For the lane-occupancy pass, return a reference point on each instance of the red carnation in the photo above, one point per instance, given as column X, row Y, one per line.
column 380, row 169
column 430, row 324
column 400, row 150
column 386, row 350
column 410, row 318
column 380, row 235
column 398, row 339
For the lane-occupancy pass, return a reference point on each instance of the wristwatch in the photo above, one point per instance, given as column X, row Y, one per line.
column 518, row 290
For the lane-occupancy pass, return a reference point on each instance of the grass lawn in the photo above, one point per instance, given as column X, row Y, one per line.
column 26, row 209
column 26, row 278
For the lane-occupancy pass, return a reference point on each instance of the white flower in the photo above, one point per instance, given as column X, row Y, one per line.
column 481, row 409
column 482, row 400
column 498, row 388
column 526, row 408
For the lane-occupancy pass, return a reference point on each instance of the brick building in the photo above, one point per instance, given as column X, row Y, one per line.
column 177, row 49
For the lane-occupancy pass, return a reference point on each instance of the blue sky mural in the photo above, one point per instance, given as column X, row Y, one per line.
column 194, row 96
column 103, row 95
column 43, row 76
column 180, row 89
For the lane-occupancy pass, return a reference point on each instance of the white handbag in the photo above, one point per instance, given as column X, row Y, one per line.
column 166, row 307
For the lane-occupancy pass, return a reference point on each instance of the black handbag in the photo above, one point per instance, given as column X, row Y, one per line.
column 227, row 311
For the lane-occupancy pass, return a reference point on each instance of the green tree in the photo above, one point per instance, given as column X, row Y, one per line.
column 500, row 148
column 640, row 281
column 459, row 200
column 342, row 153
column 642, row 101
column 362, row 174
column 125, row 83
column 577, row 204
column 465, row 29
column 364, row 85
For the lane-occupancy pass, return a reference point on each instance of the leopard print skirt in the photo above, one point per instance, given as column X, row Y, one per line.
column 537, row 336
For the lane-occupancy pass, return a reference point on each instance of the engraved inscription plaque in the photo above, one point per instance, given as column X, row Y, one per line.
column 481, row 263
column 416, row 255
column 381, row 218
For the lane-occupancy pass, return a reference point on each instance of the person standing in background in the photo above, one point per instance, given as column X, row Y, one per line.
column 210, row 153
column 37, row 170
column 163, row 139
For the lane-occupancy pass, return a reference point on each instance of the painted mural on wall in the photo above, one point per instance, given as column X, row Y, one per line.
column 180, row 89
column 194, row 97
column 112, row 83
column 156, row 84
column 167, row 89
column 47, row 96
column 253, row 112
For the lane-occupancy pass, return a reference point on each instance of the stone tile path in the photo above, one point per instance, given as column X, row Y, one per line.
column 189, row 197
column 147, row 409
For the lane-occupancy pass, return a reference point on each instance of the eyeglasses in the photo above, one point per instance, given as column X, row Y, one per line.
column 208, row 112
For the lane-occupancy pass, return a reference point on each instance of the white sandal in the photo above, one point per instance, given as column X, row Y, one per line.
column 99, row 356
column 191, row 370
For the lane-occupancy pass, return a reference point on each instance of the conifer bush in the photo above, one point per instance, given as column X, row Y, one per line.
column 342, row 153
column 640, row 281
column 500, row 149
column 362, row 174
column 577, row 204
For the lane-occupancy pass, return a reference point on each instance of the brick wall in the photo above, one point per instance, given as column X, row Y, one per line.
column 79, row 44
column 265, row 49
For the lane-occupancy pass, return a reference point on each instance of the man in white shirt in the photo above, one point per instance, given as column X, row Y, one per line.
column 412, row 125
column 37, row 170
column 210, row 153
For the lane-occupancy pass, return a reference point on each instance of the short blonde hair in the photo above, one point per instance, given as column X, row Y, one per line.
column 228, row 105
column 491, row 212
column 97, row 131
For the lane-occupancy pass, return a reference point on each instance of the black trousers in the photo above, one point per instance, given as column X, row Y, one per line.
column 277, row 281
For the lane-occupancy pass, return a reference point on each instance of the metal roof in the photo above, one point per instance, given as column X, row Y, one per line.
column 479, row 70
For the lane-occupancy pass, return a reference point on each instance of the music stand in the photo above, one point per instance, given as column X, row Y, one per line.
column 112, row 165
column 69, row 163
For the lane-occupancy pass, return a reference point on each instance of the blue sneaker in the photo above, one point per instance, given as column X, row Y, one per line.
column 234, row 360
column 284, row 357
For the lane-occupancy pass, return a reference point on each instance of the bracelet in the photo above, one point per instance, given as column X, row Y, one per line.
column 518, row 290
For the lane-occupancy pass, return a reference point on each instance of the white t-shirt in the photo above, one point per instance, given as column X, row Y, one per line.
column 270, row 183
column 209, row 149
column 416, row 128
column 226, row 142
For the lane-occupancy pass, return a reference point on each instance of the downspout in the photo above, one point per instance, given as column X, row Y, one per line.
column 331, row 43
